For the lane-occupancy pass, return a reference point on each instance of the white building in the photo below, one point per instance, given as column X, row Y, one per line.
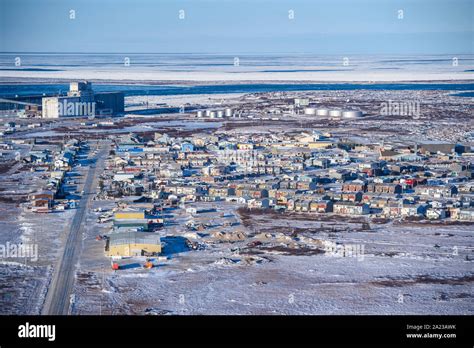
column 301, row 102
column 55, row 107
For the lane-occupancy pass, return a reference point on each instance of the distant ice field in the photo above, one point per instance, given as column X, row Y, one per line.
column 208, row 67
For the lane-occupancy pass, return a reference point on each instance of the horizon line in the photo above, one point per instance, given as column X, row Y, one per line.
column 242, row 53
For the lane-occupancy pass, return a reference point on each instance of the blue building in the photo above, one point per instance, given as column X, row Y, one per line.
column 187, row 147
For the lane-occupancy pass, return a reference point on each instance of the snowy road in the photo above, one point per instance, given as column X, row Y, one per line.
column 58, row 297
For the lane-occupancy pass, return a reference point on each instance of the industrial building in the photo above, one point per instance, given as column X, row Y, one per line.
column 436, row 146
column 228, row 112
column 55, row 107
column 24, row 107
column 301, row 102
column 82, row 89
column 109, row 103
column 127, row 244
column 333, row 112
column 124, row 215
column 352, row 114
column 81, row 101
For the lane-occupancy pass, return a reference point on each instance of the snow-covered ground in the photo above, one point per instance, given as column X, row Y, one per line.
column 418, row 269
column 25, row 280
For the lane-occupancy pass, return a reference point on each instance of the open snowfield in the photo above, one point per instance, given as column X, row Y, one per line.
column 229, row 68
column 320, row 76
column 25, row 280
column 311, row 74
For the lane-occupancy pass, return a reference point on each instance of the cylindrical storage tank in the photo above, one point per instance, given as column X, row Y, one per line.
column 335, row 113
column 228, row 112
column 322, row 112
column 199, row 113
column 310, row 111
column 220, row 114
column 212, row 114
column 208, row 113
column 352, row 114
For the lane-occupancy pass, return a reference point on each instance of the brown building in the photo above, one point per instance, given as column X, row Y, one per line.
column 354, row 186
column 384, row 188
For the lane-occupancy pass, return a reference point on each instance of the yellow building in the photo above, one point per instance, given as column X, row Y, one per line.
column 320, row 144
column 126, row 244
column 306, row 138
column 245, row 146
column 130, row 215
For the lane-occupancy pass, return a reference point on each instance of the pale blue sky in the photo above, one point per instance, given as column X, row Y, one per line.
column 238, row 26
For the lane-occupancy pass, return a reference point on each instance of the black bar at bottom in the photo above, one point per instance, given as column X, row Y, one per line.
column 447, row 331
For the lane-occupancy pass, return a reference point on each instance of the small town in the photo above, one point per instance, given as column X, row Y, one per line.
column 266, row 169
column 233, row 180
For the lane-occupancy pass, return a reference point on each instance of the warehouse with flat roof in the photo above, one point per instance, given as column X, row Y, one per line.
column 126, row 244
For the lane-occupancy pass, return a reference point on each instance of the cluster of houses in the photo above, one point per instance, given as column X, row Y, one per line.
column 310, row 172
column 54, row 161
